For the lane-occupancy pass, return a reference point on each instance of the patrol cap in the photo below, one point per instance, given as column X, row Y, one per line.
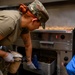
column 37, row 9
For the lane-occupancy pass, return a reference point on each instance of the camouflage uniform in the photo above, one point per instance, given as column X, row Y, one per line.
column 10, row 25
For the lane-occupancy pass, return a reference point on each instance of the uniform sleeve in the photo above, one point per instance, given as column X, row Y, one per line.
column 7, row 25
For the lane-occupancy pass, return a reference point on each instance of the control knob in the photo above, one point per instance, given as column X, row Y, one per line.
column 62, row 37
column 66, row 58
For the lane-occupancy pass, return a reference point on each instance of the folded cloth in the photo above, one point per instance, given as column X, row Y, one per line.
column 70, row 67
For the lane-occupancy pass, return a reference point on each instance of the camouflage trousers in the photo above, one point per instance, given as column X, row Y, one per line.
column 3, row 67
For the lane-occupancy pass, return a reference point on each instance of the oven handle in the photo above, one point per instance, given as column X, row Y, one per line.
column 46, row 42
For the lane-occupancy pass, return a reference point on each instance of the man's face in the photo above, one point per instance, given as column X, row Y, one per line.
column 35, row 24
column 31, row 22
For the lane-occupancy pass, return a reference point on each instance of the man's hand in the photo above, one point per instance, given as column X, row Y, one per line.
column 9, row 58
column 31, row 65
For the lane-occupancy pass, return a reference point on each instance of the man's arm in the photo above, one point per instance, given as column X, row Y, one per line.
column 5, row 55
column 2, row 53
column 28, row 46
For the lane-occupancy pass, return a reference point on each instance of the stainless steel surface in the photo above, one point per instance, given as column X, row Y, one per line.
column 52, row 39
column 60, row 41
column 65, row 57
column 48, row 68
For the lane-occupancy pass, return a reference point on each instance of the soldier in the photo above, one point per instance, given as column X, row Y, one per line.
column 16, row 23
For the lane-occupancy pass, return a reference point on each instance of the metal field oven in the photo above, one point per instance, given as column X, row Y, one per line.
column 60, row 41
column 54, row 48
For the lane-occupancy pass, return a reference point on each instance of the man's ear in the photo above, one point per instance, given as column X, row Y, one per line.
column 34, row 19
